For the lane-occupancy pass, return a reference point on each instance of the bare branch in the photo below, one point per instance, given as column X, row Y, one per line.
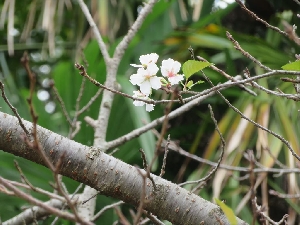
column 39, row 203
column 35, row 213
column 260, row 211
column 122, row 46
column 95, row 217
column 154, row 123
column 13, row 109
column 174, row 147
column 163, row 167
column 96, row 31
column 259, row 19
column 228, row 76
column 258, row 125
column 297, row 1
column 280, row 195
column 246, row 54
column 61, row 103
column 223, row 143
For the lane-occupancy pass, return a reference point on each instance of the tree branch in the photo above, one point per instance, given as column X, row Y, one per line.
column 36, row 212
column 111, row 176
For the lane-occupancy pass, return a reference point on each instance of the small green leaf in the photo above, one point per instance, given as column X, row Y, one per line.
column 292, row 66
column 227, row 211
column 200, row 82
column 189, row 84
column 192, row 66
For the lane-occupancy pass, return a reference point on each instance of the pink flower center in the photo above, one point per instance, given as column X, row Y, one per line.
column 171, row 73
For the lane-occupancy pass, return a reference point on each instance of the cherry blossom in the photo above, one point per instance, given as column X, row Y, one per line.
column 138, row 94
column 170, row 69
column 146, row 79
column 146, row 60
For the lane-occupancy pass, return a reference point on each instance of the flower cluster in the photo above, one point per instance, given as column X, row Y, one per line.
column 147, row 80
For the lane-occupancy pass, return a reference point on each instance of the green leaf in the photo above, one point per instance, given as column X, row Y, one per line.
column 189, row 84
column 192, row 66
column 199, row 82
column 227, row 211
column 292, row 66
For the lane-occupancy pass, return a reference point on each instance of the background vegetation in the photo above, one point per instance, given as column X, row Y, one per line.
column 55, row 35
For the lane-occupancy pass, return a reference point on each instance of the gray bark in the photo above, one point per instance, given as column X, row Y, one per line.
column 111, row 176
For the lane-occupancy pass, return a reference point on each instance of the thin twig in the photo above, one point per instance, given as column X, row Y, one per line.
column 280, row 195
column 252, row 185
column 80, row 94
column 95, row 217
column 15, row 111
column 259, row 210
column 92, row 100
column 143, row 156
column 62, row 191
column 174, row 147
column 95, row 30
column 120, row 49
column 297, row 1
column 38, row 190
column 184, row 108
column 62, row 104
column 153, row 218
column 259, row 19
column 291, row 31
column 36, row 202
column 142, row 198
column 244, row 81
column 164, row 129
column 205, row 92
column 257, row 124
column 36, row 145
column 83, row 73
column 122, row 218
column 163, row 167
column 246, row 54
column 146, row 167
column 23, row 177
column 85, row 201
column 223, row 73
column 223, row 143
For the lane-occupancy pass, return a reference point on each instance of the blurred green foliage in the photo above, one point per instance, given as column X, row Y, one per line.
column 167, row 33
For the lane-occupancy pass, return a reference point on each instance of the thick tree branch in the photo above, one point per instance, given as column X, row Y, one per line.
column 111, row 176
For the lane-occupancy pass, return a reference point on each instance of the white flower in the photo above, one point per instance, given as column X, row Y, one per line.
column 138, row 94
column 146, row 79
column 146, row 60
column 170, row 69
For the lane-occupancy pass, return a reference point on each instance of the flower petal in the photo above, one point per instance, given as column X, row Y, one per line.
column 138, row 103
column 170, row 68
column 136, row 79
column 176, row 79
column 149, row 58
column 135, row 65
column 176, row 66
column 145, row 87
column 152, row 69
column 149, row 107
column 155, row 82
